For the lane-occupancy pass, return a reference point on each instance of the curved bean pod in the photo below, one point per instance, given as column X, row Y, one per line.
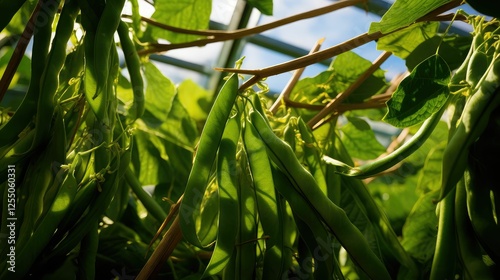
column 263, row 182
column 106, row 28
column 134, row 69
column 205, row 157
column 227, row 183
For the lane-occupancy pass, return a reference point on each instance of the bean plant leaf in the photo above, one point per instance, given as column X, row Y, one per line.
column 402, row 43
column 359, row 139
column 403, row 13
column 195, row 99
column 264, row 6
column 188, row 14
column 453, row 49
column 419, row 231
column 420, row 94
column 343, row 71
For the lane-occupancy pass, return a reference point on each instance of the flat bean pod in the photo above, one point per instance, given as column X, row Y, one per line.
column 377, row 166
column 48, row 223
column 227, row 187
column 50, row 78
column 108, row 24
column 134, row 69
column 205, row 157
column 334, row 217
column 475, row 117
column 469, row 249
column 311, row 230
column 312, row 155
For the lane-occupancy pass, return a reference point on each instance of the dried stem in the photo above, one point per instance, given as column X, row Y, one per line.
column 19, row 51
column 293, row 80
column 330, row 107
column 218, row 36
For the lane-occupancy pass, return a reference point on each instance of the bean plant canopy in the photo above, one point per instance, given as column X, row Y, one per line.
column 109, row 169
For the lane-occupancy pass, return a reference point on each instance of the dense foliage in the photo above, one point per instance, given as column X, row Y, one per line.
column 110, row 170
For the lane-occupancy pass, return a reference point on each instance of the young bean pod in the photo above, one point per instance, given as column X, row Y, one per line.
column 205, row 157
column 377, row 166
column 469, row 249
column 134, row 69
column 108, row 24
column 227, row 188
column 263, row 182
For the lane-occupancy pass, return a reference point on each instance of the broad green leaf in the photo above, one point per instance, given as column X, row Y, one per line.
column 264, row 6
column 344, row 70
column 348, row 67
column 395, row 193
column 453, row 49
column 430, row 175
column 403, row 13
column 195, row 99
column 149, row 158
column 160, row 92
column 403, row 42
column 314, row 89
column 359, row 139
column 188, row 14
column 420, row 229
column 420, row 94
column 178, row 126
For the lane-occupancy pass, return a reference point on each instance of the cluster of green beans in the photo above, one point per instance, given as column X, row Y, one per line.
column 468, row 202
column 70, row 147
column 280, row 205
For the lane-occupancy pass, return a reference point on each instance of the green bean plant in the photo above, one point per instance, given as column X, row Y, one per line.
column 110, row 170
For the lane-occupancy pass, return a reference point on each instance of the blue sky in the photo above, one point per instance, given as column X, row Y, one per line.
column 335, row 27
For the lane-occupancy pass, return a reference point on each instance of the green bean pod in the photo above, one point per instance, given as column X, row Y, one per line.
column 377, row 166
column 443, row 263
column 48, row 223
column 9, row 9
column 88, row 253
column 469, row 249
column 149, row 203
column 474, row 120
column 265, row 193
column 205, row 157
column 312, row 155
column 227, row 187
column 289, row 134
column 50, row 78
column 476, row 68
column 480, row 184
column 41, row 44
column 334, row 217
column 278, row 259
column 106, row 28
column 246, row 239
column 134, row 69
column 311, row 230
column 44, row 168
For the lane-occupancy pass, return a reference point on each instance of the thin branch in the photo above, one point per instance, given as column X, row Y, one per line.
column 19, row 51
column 330, row 107
column 396, row 143
column 285, row 94
column 218, row 36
